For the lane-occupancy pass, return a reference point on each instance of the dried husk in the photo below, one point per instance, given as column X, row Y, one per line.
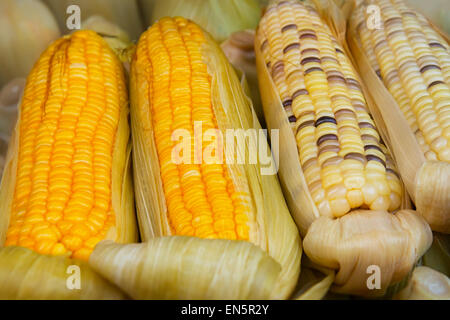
column 172, row 267
column 27, row 275
column 219, row 18
column 426, row 284
column 188, row 268
column 26, row 28
column 427, row 182
column 122, row 197
column 354, row 249
column 123, row 13
column 115, row 36
column 238, row 48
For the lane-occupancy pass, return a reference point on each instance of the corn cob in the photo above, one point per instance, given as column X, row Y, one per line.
column 414, row 63
column 339, row 180
column 406, row 62
column 344, row 161
column 192, row 213
column 67, row 185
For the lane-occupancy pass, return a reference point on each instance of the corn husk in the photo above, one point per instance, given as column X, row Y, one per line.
column 9, row 97
column 238, row 48
column 350, row 244
column 426, row 284
column 124, row 231
column 426, row 181
column 115, row 36
column 125, row 14
column 26, row 28
column 220, row 18
column 26, row 275
column 172, row 267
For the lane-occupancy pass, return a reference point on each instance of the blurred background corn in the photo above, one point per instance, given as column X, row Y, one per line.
column 27, row 27
column 413, row 61
column 344, row 161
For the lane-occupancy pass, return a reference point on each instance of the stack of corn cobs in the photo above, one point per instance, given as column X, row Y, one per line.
column 119, row 170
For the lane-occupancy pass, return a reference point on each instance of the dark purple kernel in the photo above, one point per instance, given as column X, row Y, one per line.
column 436, row 44
column 429, row 67
column 292, row 119
column 326, row 137
column 371, row 157
column 287, row 103
column 325, row 119
column 435, row 83
column 366, row 125
column 393, row 172
column 310, row 59
column 313, row 69
column 308, row 36
column 372, row 146
column 291, row 46
column 289, row 27
column 310, row 50
column 299, row 93
column 355, row 156
column 305, row 124
column 336, row 78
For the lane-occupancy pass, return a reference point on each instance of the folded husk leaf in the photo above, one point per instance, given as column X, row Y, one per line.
column 426, row 181
column 275, row 231
column 384, row 226
column 426, row 284
column 353, row 243
column 122, row 13
column 26, row 28
column 188, row 268
column 27, row 275
column 220, row 18
column 122, row 197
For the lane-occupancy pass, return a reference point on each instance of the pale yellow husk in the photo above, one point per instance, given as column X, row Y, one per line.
column 26, row 275
column 426, row 284
column 188, row 268
column 350, row 244
column 220, row 18
column 115, row 36
column 26, row 28
column 124, row 231
column 238, row 48
column 123, row 13
column 427, row 182
column 171, row 267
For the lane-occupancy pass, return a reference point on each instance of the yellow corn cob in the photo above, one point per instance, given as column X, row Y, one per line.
column 201, row 198
column 67, row 186
column 192, row 214
column 342, row 156
column 414, row 63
